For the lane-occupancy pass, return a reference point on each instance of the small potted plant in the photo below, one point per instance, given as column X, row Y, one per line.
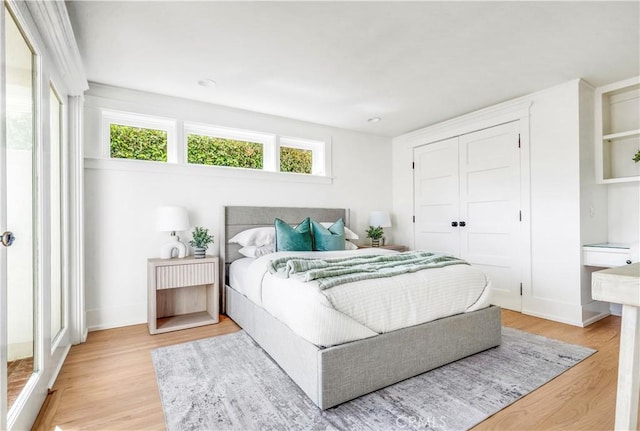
column 200, row 242
column 375, row 233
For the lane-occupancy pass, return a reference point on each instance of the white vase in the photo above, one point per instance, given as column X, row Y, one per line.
column 199, row 253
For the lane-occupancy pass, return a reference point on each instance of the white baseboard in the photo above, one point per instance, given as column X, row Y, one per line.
column 571, row 314
column 115, row 317
column 17, row 351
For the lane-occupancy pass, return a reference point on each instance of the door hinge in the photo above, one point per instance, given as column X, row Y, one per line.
column 520, row 215
column 520, row 289
column 413, row 165
column 518, row 140
column 414, row 219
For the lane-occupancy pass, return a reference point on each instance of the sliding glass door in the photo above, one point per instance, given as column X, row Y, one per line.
column 33, row 293
column 20, row 208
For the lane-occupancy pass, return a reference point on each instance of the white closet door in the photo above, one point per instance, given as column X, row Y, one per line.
column 467, row 204
column 490, row 208
column 436, row 198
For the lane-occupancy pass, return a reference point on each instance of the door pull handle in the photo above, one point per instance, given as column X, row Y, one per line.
column 8, row 238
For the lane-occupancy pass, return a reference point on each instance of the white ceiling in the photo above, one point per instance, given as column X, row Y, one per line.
column 340, row 63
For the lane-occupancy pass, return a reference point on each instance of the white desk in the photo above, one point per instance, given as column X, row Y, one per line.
column 621, row 285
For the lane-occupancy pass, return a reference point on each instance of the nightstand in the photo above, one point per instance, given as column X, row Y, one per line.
column 388, row 247
column 183, row 293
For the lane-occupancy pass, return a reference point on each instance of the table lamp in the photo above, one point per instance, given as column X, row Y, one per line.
column 172, row 219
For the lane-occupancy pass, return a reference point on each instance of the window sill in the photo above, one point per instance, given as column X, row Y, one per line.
column 200, row 170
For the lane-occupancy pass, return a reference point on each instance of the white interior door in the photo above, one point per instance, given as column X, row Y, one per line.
column 436, row 200
column 490, row 208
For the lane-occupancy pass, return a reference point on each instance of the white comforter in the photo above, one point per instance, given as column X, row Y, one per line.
column 362, row 309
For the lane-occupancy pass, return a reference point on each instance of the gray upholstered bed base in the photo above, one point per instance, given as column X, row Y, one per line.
column 341, row 373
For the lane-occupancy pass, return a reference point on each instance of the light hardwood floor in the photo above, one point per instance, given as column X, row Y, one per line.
column 109, row 383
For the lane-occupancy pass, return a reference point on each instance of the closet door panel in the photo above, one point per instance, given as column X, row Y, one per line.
column 490, row 205
column 436, row 188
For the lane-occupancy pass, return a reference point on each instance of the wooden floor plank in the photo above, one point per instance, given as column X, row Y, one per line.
column 109, row 382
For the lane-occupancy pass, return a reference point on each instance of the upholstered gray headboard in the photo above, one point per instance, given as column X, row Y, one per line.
column 237, row 219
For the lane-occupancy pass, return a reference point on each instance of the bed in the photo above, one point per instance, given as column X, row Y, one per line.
column 340, row 372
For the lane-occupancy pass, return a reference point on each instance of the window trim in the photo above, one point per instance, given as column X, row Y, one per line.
column 143, row 121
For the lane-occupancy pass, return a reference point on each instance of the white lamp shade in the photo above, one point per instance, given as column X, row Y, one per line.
column 172, row 218
column 380, row 218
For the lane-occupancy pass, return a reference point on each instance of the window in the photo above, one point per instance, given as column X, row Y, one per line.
column 221, row 146
column 295, row 160
column 138, row 137
column 127, row 142
column 214, row 151
column 302, row 156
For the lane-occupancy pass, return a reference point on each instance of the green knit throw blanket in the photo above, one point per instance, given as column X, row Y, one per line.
column 335, row 271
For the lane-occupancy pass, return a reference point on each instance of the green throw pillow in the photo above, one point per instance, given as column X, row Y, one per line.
column 293, row 239
column 328, row 239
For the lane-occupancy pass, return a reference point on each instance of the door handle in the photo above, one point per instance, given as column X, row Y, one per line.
column 8, row 238
column 463, row 223
column 454, row 223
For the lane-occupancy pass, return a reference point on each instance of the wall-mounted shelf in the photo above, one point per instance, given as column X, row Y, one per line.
column 630, row 133
column 617, row 134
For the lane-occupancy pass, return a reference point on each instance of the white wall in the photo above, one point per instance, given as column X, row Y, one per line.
column 624, row 213
column 121, row 196
column 562, row 187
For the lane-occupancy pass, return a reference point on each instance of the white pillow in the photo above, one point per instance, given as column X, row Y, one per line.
column 348, row 245
column 254, row 251
column 257, row 236
column 348, row 233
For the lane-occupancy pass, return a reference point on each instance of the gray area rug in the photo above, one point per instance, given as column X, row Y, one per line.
column 230, row 383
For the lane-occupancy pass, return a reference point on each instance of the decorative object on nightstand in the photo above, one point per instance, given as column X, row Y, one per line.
column 377, row 221
column 172, row 219
column 200, row 242
column 182, row 293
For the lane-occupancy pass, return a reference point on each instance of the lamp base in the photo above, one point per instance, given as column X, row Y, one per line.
column 173, row 248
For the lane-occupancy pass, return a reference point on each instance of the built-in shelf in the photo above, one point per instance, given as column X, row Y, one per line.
column 617, row 134
column 621, row 135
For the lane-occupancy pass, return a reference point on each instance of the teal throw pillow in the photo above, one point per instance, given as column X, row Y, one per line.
column 293, row 238
column 328, row 239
